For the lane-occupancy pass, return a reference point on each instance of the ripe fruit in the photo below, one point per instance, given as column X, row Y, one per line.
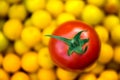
column 106, row 53
column 71, row 46
column 29, row 62
column 65, row 75
column 31, row 36
column 20, row 47
column 44, row 58
column 41, row 19
column 115, row 34
column 55, row 7
column 11, row 62
column 34, row 5
column 74, row 7
column 92, row 15
column 110, row 21
column 4, row 7
column 12, row 29
column 109, row 75
column 17, row 12
column 102, row 33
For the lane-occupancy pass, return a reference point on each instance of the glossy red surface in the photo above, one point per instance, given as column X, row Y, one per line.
column 58, row 49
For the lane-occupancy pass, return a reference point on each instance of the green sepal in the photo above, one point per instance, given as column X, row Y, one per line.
column 75, row 44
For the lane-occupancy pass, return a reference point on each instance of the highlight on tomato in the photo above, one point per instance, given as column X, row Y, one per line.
column 74, row 46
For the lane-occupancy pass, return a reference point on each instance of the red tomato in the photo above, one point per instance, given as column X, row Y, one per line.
column 80, row 48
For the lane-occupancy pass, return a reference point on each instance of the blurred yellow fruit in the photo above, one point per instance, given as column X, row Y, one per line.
column 117, row 54
column 115, row 34
column 20, row 47
column 65, row 75
column 74, row 7
column 34, row 5
column 46, row 74
column 41, row 19
column 112, row 6
column 99, row 3
column 98, row 68
column 44, row 58
column 17, row 11
column 55, row 7
column 92, row 14
column 4, row 75
column 1, row 59
column 31, row 36
column 20, row 76
column 3, row 42
column 4, row 7
column 87, row 76
column 102, row 33
column 110, row 21
column 109, row 75
column 11, row 62
column 29, row 61
column 48, row 31
column 106, row 53
column 64, row 17
column 12, row 29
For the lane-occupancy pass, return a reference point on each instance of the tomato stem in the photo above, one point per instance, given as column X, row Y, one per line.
column 75, row 44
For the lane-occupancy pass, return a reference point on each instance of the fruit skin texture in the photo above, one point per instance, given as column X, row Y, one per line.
column 75, row 62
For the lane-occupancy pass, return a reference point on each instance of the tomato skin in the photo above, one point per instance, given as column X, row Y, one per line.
column 75, row 62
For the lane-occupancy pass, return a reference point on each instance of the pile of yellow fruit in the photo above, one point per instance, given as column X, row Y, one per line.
column 24, row 53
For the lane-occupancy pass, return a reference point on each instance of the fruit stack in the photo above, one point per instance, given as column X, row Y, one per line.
column 24, row 53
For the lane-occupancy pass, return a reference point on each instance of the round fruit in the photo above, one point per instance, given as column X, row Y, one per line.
column 11, row 62
column 73, row 47
column 109, row 75
column 92, row 15
column 12, row 29
column 41, row 19
column 17, row 12
column 55, row 7
column 106, row 53
column 102, row 33
column 74, row 7
column 30, row 36
column 4, row 8
column 29, row 61
column 110, row 21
